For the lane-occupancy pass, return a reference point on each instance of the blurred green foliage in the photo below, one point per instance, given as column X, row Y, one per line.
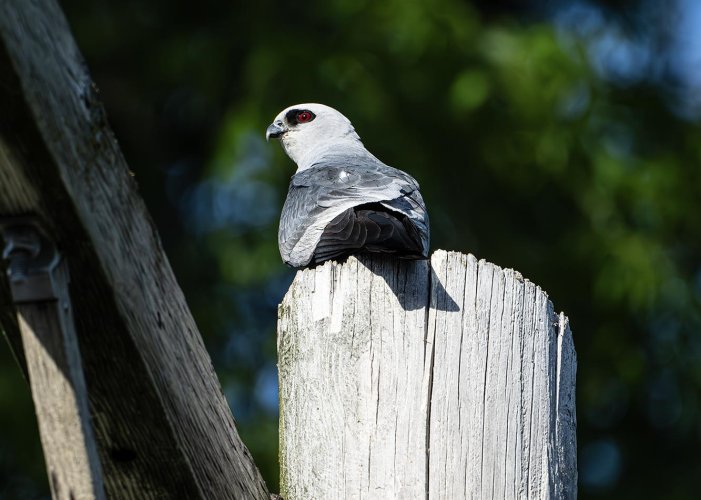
column 563, row 141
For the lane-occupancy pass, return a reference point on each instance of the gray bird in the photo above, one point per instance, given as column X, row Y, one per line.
column 342, row 200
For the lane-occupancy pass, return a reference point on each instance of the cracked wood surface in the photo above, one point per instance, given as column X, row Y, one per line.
column 442, row 380
column 162, row 425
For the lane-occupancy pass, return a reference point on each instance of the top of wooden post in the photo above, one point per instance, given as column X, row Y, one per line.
column 452, row 378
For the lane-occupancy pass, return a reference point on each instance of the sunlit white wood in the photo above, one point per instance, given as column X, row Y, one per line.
column 404, row 380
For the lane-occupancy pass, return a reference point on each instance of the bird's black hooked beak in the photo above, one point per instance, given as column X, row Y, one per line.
column 275, row 130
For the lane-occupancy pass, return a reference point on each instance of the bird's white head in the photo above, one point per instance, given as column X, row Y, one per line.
column 309, row 131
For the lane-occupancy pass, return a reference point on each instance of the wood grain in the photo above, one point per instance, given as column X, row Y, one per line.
column 404, row 380
column 162, row 424
column 60, row 396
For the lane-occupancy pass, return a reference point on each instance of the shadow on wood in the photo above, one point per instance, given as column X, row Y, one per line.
column 402, row 381
column 409, row 302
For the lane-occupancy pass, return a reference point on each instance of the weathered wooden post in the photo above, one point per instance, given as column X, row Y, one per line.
column 443, row 380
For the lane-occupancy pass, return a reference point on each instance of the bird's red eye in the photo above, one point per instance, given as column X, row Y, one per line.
column 297, row 116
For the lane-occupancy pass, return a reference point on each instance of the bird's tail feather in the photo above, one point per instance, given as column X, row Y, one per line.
column 369, row 228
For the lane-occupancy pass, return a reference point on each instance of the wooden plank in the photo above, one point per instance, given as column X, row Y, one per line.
column 163, row 426
column 60, row 396
column 464, row 392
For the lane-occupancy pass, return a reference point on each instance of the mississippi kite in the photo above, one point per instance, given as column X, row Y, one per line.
column 343, row 200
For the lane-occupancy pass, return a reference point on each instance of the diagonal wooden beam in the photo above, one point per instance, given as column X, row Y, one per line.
column 161, row 422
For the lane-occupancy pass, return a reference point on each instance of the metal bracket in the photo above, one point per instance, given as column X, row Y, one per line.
column 33, row 260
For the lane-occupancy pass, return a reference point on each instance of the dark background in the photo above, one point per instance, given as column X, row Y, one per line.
column 560, row 138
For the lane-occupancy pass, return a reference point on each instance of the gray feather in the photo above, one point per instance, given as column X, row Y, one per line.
column 336, row 183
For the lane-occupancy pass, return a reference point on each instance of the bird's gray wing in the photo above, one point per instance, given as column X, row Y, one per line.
column 323, row 192
column 370, row 227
